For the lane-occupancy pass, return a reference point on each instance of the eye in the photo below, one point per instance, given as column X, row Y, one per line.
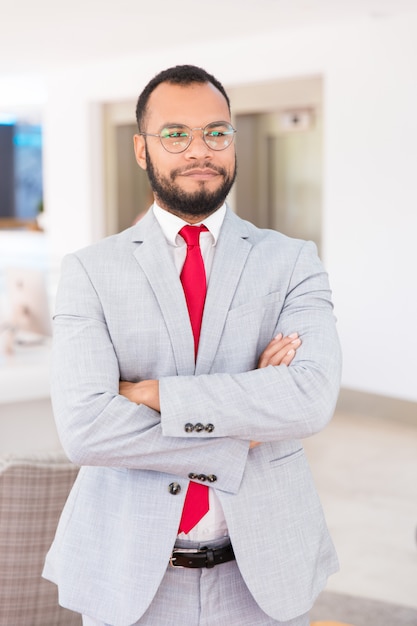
column 218, row 130
column 174, row 132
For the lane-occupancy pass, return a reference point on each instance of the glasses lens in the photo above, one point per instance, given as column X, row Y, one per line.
column 219, row 135
column 175, row 138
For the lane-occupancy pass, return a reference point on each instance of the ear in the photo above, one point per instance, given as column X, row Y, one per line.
column 140, row 150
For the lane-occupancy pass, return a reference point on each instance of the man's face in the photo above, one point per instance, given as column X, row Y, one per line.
column 194, row 183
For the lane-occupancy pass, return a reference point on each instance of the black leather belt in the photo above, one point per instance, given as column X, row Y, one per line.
column 205, row 557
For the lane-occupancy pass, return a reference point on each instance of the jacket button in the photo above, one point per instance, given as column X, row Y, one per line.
column 212, row 478
column 188, row 428
column 192, row 476
column 209, row 428
column 198, row 427
column 174, row 488
column 202, row 477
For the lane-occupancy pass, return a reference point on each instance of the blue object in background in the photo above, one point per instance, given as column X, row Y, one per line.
column 27, row 140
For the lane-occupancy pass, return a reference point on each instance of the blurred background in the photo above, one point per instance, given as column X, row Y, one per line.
column 324, row 97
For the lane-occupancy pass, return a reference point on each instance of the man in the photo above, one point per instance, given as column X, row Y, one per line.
column 179, row 367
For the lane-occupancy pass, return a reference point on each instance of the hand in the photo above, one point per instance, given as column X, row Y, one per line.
column 145, row 392
column 280, row 351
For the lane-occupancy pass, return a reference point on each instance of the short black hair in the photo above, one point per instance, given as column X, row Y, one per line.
column 177, row 75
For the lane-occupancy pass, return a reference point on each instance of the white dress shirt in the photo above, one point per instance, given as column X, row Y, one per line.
column 213, row 524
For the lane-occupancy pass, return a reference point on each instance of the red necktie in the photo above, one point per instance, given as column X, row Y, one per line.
column 193, row 279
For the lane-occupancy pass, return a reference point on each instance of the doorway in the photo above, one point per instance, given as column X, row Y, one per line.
column 134, row 194
column 280, row 171
column 279, row 145
column 127, row 192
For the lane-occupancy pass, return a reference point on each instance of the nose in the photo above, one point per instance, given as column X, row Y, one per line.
column 198, row 147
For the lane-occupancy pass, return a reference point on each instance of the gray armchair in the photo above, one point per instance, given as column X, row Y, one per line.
column 33, row 490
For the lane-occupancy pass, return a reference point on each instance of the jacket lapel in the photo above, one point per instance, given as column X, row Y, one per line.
column 232, row 250
column 152, row 254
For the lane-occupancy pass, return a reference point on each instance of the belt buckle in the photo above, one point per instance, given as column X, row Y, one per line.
column 182, row 550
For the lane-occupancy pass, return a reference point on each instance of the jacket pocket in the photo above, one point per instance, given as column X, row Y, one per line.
column 256, row 305
column 288, row 458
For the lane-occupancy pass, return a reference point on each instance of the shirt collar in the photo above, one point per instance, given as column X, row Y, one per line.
column 171, row 224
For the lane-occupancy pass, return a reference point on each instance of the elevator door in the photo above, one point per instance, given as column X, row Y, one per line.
column 279, row 182
column 134, row 194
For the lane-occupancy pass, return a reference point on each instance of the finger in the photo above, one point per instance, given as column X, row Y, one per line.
column 288, row 357
column 281, row 347
column 270, row 351
column 280, row 342
column 281, row 355
column 274, row 346
column 286, row 354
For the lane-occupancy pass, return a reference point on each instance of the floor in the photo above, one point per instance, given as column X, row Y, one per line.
column 366, row 473
column 341, row 609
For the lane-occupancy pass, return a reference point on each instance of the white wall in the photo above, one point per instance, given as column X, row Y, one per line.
column 370, row 191
column 22, row 95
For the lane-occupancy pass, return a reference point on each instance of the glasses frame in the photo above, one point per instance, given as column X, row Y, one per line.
column 233, row 131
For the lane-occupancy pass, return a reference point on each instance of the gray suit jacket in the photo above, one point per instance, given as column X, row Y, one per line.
column 121, row 314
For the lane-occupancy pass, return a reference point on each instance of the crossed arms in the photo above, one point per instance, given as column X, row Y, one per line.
column 279, row 351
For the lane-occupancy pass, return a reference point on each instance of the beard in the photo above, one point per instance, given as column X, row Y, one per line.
column 198, row 204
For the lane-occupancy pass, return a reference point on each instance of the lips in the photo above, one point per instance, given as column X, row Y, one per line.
column 206, row 173
column 198, row 172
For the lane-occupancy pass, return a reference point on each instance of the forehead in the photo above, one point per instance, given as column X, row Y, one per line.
column 194, row 105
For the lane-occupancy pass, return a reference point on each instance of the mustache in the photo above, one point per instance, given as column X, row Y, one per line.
column 203, row 166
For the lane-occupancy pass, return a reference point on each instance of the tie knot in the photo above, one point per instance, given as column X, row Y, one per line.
column 191, row 234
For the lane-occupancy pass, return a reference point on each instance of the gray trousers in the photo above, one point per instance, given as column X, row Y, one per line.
column 204, row 597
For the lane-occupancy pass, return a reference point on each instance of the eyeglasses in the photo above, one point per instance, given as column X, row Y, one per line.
column 177, row 137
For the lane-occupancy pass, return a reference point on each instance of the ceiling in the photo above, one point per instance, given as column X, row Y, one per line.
column 36, row 36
